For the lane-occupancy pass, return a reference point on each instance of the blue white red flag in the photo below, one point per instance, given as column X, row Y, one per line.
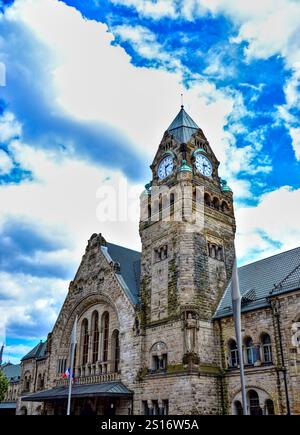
column 66, row 375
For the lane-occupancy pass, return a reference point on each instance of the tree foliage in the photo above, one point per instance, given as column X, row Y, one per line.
column 3, row 385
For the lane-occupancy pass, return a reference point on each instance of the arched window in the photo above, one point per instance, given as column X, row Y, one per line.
column 160, row 206
column 95, row 325
column 269, row 407
column 251, row 356
column 295, row 332
column 149, row 211
column 266, row 348
column 253, row 399
column 42, row 384
column 172, row 205
column 160, row 363
column 27, row 380
column 159, row 356
column 220, row 253
column 23, row 410
column 224, row 207
column 85, row 340
column 207, row 199
column 233, row 353
column 75, row 356
column 116, row 350
column 238, row 409
column 194, row 194
column 216, row 203
column 105, row 331
column 172, row 201
column 39, row 381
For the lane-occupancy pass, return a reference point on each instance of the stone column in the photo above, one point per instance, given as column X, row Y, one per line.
column 150, row 406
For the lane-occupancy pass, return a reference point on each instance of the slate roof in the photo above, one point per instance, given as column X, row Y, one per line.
column 111, row 389
column 12, row 371
column 273, row 275
column 130, row 262
column 182, row 127
column 38, row 352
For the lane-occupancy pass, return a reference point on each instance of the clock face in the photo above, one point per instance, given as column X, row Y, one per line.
column 203, row 165
column 165, row 168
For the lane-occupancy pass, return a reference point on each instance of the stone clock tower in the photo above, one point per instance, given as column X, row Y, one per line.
column 187, row 230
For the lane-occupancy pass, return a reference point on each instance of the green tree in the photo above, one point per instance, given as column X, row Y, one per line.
column 3, row 385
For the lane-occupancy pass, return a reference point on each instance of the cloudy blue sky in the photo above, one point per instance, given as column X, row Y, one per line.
column 86, row 92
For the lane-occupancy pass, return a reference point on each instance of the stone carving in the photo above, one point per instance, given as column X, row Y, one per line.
column 159, row 347
column 190, row 333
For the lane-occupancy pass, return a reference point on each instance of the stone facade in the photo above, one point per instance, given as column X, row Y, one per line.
column 165, row 344
column 13, row 374
column 267, row 378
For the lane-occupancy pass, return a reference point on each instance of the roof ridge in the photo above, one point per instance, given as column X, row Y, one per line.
column 124, row 247
column 35, row 351
column 182, row 120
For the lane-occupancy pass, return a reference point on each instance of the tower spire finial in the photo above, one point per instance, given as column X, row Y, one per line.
column 1, row 354
column 182, row 106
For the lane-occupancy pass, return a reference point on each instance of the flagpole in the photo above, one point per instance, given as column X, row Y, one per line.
column 236, row 307
column 72, row 353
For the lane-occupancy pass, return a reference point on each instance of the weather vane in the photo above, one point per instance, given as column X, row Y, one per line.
column 181, row 101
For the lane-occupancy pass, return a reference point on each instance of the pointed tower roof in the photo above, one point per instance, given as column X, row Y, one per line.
column 183, row 127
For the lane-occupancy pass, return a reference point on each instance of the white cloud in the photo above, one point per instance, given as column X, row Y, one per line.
column 270, row 227
column 292, row 105
column 151, row 8
column 95, row 81
column 57, row 197
column 217, row 67
column 13, row 353
column 9, row 127
column 22, row 317
column 270, row 27
column 295, row 135
column 61, row 197
column 6, row 164
column 146, row 45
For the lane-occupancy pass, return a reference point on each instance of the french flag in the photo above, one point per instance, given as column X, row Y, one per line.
column 66, row 375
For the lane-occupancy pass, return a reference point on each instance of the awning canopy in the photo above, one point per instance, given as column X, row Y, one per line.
column 8, row 405
column 105, row 389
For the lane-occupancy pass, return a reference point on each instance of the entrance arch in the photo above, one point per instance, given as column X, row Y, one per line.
column 259, row 402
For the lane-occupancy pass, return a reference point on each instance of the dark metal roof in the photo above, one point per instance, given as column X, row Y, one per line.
column 130, row 262
column 12, row 371
column 105, row 389
column 273, row 275
column 38, row 352
column 183, row 127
